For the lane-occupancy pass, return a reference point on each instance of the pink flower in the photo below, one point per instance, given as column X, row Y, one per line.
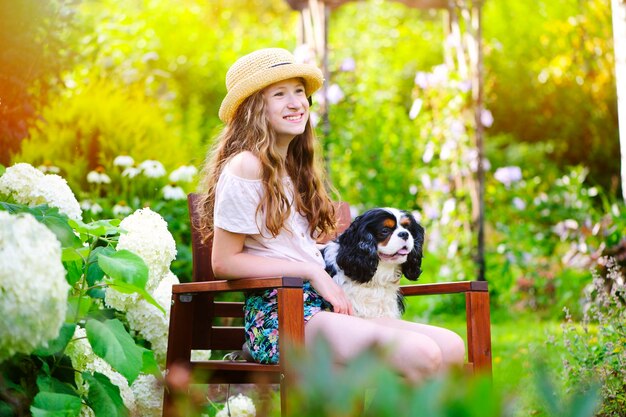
column 486, row 118
column 508, row 175
column 348, row 64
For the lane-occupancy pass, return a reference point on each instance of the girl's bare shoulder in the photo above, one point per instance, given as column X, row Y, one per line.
column 245, row 165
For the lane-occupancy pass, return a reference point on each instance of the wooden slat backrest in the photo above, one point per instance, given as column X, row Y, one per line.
column 201, row 252
column 206, row 333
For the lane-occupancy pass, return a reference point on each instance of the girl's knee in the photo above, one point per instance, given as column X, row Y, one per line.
column 421, row 353
column 453, row 350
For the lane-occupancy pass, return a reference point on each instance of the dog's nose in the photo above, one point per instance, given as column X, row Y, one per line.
column 403, row 235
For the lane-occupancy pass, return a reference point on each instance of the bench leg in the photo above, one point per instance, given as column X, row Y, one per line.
column 179, row 346
column 290, row 335
column 478, row 331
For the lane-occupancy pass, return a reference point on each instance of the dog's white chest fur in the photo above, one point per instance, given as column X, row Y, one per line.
column 376, row 298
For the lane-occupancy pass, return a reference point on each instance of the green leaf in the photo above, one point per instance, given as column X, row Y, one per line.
column 104, row 398
column 126, row 288
column 74, row 271
column 58, row 224
column 87, row 229
column 52, row 404
column 57, row 345
column 77, row 308
column 111, row 341
column 47, row 383
column 94, row 272
column 125, row 266
column 150, row 365
column 75, row 254
column 96, row 293
column 96, row 228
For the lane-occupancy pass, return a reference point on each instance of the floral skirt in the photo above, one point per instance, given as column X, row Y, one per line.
column 261, row 320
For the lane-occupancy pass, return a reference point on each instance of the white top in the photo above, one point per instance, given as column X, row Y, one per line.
column 236, row 201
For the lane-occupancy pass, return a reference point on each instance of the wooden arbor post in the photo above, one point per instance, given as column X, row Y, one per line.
column 463, row 51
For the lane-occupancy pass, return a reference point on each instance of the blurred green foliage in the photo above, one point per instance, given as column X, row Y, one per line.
column 36, row 41
column 83, row 130
column 549, row 78
column 367, row 387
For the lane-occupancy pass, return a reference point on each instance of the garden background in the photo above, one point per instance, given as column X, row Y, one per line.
column 120, row 99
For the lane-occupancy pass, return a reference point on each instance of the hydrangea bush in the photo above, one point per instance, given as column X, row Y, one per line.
column 32, row 283
column 58, row 278
column 28, row 185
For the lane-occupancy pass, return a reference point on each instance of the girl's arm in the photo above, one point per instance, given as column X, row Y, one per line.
column 229, row 261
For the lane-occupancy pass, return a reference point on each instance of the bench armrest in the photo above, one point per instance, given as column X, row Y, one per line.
column 444, row 288
column 240, row 284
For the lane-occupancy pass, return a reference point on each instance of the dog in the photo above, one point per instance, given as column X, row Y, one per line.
column 368, row 259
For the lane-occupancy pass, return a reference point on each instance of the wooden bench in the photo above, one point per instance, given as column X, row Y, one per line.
column 198, row 321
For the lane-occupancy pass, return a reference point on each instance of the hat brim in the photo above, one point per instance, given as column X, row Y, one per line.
column 312, row 76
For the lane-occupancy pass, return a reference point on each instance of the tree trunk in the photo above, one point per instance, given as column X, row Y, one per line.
column 619, row 39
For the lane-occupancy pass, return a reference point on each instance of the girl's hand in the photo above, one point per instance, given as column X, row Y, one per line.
column 330, row 291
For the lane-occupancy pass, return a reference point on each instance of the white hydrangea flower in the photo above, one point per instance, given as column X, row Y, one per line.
column 118, row 300
column 84, row 359
column 33, row 288
column 149, row 321
column 55, row 191
column 239, row 405
column 201, row 355
column 148, row 237
column 19, row 180
column 27, row 185
column 148, row 392
column 152, row 169
column 184, row 173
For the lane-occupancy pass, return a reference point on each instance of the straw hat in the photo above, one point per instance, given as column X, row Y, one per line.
column 257, row 70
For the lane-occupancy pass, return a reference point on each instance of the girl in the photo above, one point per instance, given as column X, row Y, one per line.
column 266, row 202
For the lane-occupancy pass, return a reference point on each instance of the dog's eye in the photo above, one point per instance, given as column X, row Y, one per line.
column 384, row 232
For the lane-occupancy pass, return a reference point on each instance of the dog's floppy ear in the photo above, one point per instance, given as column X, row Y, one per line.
column 412, row 268
column 358, row 251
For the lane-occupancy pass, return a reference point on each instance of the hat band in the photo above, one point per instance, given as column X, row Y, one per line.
column 282, row 63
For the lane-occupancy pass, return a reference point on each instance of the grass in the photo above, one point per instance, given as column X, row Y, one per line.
column 518, row 343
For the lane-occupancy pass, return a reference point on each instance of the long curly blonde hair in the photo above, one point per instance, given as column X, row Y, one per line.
column 249, row 130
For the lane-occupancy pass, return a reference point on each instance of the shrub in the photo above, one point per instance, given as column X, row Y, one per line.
column 595, row 350
column 83, row 130
column 94, row 358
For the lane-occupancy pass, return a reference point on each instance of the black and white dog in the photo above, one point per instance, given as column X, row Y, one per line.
column 370, row 257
